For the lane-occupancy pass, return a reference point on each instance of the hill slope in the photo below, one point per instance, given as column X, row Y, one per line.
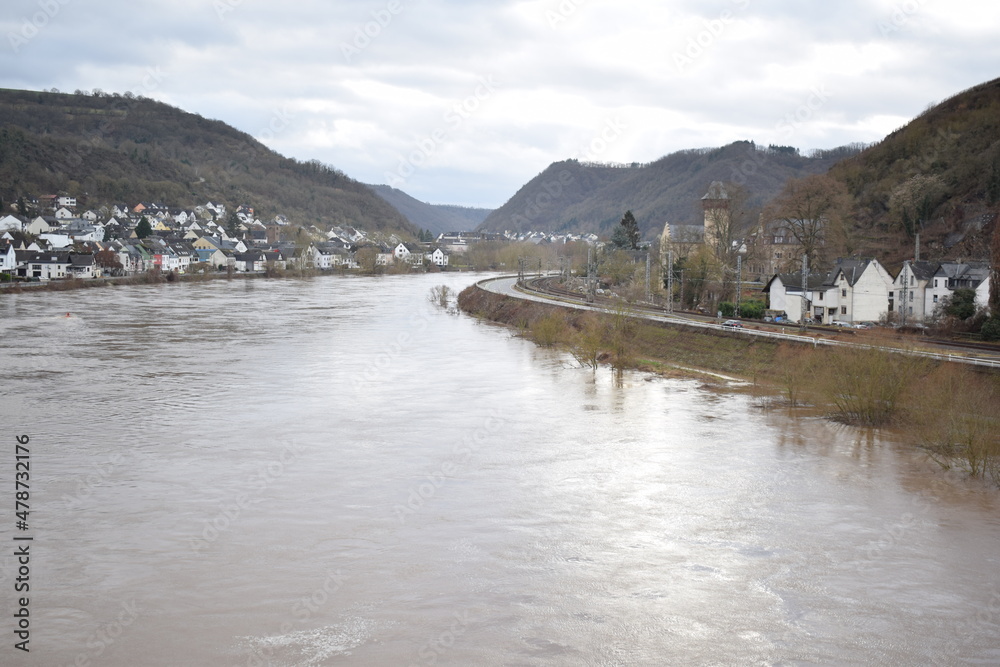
column 123, row 149
column 938, row 175
column 438, row 218
column 575, row 197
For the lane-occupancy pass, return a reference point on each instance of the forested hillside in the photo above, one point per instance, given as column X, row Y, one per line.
column 119, row 148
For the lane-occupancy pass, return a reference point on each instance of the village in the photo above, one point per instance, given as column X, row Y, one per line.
column 130, row 240
column 57, row 243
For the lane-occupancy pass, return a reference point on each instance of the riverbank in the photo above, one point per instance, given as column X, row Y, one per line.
column 157, row 277
column 948, row 409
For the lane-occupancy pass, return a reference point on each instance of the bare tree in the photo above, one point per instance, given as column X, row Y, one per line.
column 814, row 210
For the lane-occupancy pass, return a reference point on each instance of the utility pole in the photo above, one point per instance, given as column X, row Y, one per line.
column 590, row 274
column 649, row 293
column 805, row 286
column 682, row 289
column 902, row 294
column 739, row 282
column 670, row 281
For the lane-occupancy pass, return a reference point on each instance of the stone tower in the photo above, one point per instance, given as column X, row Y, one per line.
column 715, row 204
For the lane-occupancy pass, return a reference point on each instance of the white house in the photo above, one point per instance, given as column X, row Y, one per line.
column 9, row 222
column 908, row 296
column 43, row 265
column 8, row 258
column 439, row 257
column 39, row 226
column 57, row 240
column 854, row 291
column 64, row 213
column 951, row 276
column 864, row 286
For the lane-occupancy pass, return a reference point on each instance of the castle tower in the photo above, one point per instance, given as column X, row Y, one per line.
column 715, row 204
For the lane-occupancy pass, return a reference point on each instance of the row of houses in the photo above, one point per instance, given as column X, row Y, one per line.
column 862, row 290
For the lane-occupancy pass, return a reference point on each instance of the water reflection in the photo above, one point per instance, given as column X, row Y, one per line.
column 334, row 471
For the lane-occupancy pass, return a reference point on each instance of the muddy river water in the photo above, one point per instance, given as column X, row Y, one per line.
column 336, row 472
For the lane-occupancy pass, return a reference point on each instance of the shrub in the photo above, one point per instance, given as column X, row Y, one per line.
column 991, row 329
column 753, row 310
column 864, row 385
column 954, row 417
column 548, row 329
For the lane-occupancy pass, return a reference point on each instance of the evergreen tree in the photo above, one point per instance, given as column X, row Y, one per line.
column 22, row 207
column 143, row 229
column 626, row 234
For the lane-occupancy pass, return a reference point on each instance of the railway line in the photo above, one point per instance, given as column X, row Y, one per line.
column 548, row 289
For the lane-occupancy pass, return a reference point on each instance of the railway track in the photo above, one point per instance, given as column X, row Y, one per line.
column 550, row 286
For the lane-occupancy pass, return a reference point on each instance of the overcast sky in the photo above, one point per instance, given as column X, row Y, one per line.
column 464, row 102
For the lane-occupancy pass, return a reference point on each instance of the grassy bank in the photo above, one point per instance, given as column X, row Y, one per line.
column 951, row 410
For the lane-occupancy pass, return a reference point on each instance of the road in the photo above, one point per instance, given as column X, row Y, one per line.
column 507, row 286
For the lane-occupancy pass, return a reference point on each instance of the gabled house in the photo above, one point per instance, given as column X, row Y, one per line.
column 438, row 257
column 864, row 287
column 41, row 225
column 784, row 292
column 251, row 260
column 10, row 222
column 8, row 258
column 856, row 290
column 951, row 276
column 83, row 265
column 908, row 296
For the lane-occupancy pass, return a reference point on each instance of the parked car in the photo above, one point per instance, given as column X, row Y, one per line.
column 841, row 323
column 864, row 325
column 735, row 324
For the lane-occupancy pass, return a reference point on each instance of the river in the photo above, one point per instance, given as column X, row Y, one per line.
column 336, row 472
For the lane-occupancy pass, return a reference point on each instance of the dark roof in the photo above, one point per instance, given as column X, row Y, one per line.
column 923, row 270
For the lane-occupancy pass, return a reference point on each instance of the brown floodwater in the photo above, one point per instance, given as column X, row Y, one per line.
column 336, row 472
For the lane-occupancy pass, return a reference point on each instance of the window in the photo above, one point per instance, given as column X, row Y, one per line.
column 821, row 296
column 843, row 292
column 911, row 281
column 890, row 295
column 911, row 296
column 911, row 310
column 843, row 310
column 935, row 298
column 935, row 283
